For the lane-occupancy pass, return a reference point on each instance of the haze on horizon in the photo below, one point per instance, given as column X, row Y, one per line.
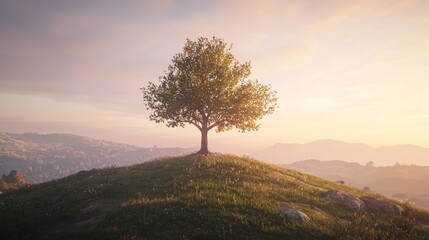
column 348, row 70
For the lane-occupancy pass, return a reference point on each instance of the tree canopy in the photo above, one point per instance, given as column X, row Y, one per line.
column 207, row 87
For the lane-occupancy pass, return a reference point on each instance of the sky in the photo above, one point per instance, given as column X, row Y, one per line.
column 349, row 70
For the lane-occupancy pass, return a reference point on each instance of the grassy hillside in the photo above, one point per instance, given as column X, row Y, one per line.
column 194, row 197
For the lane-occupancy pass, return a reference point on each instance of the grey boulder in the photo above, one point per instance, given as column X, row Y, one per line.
column 345, row 200
column 288, row 211
column 378, row 204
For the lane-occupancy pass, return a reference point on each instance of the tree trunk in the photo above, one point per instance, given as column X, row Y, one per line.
column 204, row 141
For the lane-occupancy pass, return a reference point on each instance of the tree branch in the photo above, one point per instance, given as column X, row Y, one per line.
column 196, row 125
column 215, row 124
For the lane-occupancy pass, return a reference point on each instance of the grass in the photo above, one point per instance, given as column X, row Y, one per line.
column 194, row 197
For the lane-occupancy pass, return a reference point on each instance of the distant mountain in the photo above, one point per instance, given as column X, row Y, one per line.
column 351, row 152
column 402, row 182
column 42, row 157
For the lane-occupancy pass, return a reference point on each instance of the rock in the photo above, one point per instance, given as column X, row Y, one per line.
column 345, row 200
column 288, row 211
column 378, row 204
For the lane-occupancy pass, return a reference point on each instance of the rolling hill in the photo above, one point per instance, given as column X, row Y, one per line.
column 282, row 153
column 405, row 182
column 43, row 157
column 202, row 197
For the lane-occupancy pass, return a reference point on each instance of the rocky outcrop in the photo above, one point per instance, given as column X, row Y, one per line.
column 289, row 211
column 378, row 204
column 345, row 200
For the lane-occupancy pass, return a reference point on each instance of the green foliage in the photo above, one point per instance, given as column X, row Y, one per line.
column 206, row 81
column 13, row 180
column 194, row 197
column 207, row 87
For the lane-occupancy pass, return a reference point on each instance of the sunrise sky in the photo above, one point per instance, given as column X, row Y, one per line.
column 356, row 71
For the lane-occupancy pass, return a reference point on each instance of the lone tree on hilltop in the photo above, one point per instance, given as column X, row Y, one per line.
column 207, row 87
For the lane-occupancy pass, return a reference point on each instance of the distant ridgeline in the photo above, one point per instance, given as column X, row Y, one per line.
column 13, row 180
column 408, row 183
column 43, row 157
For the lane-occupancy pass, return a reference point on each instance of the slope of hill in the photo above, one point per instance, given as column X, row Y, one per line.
column 351, row 152
column 404, row 182
column 195, row 197
column 43, row 157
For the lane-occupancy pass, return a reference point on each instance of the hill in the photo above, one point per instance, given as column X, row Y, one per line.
column 200, row 197
column 43, row 157
column 400, row 181
column 282, row 153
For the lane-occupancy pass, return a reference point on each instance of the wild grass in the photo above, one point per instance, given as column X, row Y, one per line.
column 194, row 197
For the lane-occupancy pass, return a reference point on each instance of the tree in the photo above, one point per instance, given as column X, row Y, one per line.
column 370, row 164
column 207, row 87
